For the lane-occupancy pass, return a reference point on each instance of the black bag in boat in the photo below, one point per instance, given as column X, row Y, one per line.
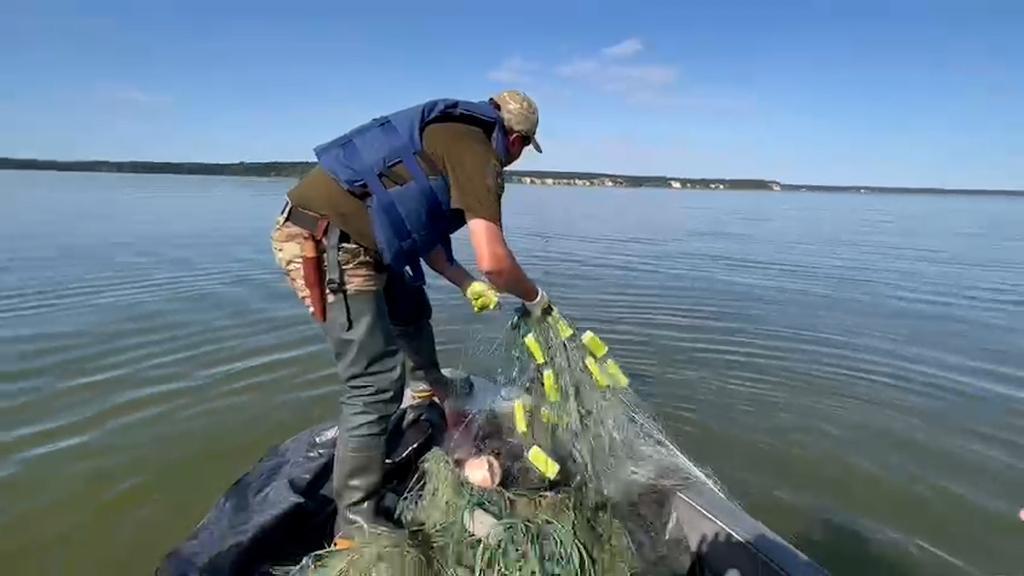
column 283, row 508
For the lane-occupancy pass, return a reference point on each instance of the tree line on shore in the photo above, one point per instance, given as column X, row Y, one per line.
column 541, row 177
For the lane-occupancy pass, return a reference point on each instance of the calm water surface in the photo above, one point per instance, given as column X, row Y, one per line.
column 851, row 367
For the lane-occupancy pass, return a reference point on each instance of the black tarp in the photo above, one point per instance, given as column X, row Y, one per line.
column 273, row 515
column 283, row 509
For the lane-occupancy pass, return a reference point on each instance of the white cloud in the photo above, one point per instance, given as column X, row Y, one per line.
column 637, row 81
column 612, row 69
column 624, row 49
column 618, row 77
column 514, row 70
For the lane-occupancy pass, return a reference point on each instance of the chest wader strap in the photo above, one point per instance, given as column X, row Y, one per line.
column 335, row 275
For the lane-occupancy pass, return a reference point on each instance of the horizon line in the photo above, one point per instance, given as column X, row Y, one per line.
column 513, row 170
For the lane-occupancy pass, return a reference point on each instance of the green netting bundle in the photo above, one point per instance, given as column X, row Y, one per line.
column 528, row 533
column 586, row 475
column 582, row 410
column 455, row 528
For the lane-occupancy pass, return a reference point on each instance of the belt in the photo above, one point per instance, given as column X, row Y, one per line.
column 309, row 221
column 322, row 230
column 329, row 237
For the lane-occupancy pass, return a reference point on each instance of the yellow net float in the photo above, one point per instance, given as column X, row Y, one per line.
column 519, row 413
column 551, row 391
column 534, row 347
column 563, row 327
column 594, row 344
column 595, row 371
column 542, row 462
column 615, row 373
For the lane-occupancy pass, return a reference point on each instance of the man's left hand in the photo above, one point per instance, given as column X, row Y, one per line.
column 482, row 296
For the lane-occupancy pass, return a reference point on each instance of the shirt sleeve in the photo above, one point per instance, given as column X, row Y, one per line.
column 475, row 176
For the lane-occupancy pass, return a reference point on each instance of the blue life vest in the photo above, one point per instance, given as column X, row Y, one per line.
column 410, row 220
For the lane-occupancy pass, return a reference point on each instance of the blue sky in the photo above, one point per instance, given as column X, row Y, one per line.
column 900, row 92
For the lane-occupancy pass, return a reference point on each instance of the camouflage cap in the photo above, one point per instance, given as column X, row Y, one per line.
column 519, row 113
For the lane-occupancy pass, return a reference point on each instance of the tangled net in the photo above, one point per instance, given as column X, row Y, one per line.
column 585, row 484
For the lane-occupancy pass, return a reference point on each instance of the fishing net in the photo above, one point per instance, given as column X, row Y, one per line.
column 553, row 468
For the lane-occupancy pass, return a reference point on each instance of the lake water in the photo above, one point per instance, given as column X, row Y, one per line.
column 850, row 366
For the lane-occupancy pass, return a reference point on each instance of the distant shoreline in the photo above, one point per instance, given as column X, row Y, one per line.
column 530, row 177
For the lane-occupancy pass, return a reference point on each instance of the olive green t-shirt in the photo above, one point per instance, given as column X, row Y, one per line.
column 462, row 154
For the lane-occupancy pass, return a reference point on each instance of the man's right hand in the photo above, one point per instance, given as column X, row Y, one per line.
column 540, row 305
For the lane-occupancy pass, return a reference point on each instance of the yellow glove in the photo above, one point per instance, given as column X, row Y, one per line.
column 482, row 296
